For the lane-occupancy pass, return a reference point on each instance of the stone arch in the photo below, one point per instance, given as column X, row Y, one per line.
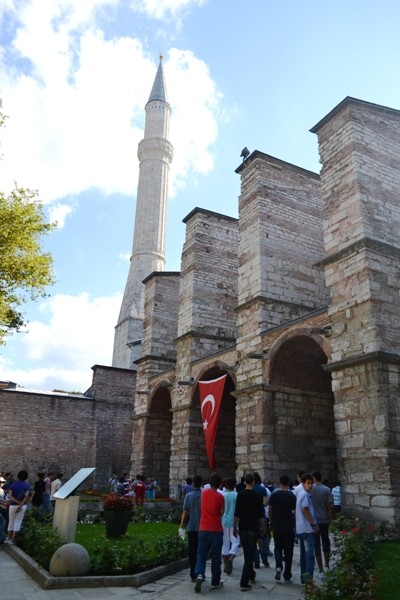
column 302, row 404
column 157, row 438
column 224, row 450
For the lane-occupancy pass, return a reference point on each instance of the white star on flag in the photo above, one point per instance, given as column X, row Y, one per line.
column 205, row 424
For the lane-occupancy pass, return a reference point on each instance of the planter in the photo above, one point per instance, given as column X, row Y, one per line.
column 117, row 522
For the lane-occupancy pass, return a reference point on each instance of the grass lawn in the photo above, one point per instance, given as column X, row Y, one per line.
column 387, row 569
column 91, row 536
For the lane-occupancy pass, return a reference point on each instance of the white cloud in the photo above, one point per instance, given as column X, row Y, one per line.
column 124, row 257
column 76, row 112
column 160, row 9
column 58, row 213
column 79, row 334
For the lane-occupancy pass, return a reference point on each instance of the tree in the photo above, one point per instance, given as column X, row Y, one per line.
column 25, row 269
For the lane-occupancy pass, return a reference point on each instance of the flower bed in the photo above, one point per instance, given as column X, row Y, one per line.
column 352, row 573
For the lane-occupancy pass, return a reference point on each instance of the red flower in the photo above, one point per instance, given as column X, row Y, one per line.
column 343, row 531
column 356, row 530
column 117, row 503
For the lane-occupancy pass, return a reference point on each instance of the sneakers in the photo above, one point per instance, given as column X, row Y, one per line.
column 278, row 573
column 245, row 588
column 217, row 586
column 265, row 562
column 256, row 565
column 289, row 580
column 199, row 581
column 320, row 575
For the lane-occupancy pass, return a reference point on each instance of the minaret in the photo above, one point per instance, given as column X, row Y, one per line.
column 148, row 253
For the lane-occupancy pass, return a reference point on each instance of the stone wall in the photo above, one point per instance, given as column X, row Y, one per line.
column 208, row 292
column 359, row 147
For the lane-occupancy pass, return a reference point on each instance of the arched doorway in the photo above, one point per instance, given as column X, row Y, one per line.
column 157, row 442
column 303, row 418
column 224, row 449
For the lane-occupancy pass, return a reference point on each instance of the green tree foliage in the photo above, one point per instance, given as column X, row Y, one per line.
column 25, row 269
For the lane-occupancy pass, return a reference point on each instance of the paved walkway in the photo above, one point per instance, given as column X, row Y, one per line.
column 15, row 584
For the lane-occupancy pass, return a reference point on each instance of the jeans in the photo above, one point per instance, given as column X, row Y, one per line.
column 248, row 539
column 209, row 540
column 284, row 542
column 322, row 536
column 193, row 540
column 307, row 555
column 46, row 503
column 265, row 540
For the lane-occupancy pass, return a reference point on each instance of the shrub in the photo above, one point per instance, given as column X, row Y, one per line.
column 114, row 559
column 38, row 538
column 171, row 515
column 352, row 576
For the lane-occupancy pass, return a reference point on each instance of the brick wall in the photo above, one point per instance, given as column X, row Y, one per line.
column 53, row 432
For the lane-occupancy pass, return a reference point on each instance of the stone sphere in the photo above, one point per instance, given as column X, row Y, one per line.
column 70, row 560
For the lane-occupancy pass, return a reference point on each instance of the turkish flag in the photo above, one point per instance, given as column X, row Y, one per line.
column 210, row 403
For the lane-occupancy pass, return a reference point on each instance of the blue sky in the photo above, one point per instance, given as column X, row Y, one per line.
column 74, row 78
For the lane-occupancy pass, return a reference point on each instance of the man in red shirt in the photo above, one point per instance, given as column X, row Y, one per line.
column 210, row 533
column 140, row 491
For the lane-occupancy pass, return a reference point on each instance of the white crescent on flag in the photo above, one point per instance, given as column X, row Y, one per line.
column 210, row 398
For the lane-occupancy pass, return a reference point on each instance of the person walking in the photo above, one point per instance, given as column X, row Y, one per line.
column 249, row 521
column 230, row 542
column 191, row 509
column 282, row 506
column 37, row 497
column 337, row 498
column 262, row 549
column 210, row 534
column 306, row 528
column 323, row 506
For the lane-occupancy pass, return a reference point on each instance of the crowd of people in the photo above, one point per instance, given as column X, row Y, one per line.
column 16, row 493
column 217, row 517
column 222, row 514
column 139, row 488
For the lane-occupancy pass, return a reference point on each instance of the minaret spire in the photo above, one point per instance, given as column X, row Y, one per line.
column 155, row 154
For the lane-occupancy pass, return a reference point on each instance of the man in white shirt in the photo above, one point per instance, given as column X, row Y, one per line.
column 306, row 528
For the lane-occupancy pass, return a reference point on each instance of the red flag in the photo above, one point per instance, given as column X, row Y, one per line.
column 210, row 403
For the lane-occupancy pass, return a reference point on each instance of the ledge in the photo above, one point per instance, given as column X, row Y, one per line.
column 48, row 582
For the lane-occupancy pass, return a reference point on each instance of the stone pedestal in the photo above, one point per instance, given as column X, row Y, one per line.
column 65, row 517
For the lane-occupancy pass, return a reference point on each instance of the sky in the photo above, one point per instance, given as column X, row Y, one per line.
column 75, row 76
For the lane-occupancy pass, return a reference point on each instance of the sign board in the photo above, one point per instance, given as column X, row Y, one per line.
column 72, row 484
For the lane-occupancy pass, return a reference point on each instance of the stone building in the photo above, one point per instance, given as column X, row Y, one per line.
column 298, row 302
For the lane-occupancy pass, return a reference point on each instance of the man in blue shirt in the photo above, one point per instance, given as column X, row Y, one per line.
column 191, row 508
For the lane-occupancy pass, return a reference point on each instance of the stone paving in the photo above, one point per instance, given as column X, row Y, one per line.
column 16, row 584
